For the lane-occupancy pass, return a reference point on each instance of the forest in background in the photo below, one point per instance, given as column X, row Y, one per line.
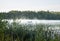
column 47, row 15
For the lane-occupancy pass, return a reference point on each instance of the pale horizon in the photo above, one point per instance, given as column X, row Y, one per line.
column 31, row 5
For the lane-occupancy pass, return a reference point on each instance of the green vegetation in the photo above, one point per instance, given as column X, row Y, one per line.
column 19, row 32
column 31, row 15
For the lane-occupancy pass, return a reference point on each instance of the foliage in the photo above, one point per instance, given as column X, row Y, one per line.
column 31, row 15
column 19, row 32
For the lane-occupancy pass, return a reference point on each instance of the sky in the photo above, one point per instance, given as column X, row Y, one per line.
column 32, row 5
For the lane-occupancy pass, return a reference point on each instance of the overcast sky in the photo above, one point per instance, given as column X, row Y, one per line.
column 34, row 5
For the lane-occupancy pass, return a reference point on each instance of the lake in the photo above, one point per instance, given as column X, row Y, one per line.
column 33, row 21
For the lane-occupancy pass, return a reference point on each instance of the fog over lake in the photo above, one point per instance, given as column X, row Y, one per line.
column 33, row 21
column 55, row 23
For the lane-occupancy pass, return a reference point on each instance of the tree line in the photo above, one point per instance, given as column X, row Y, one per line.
column 31, row 15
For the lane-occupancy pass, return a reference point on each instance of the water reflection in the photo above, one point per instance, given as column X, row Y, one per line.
column 32, row 21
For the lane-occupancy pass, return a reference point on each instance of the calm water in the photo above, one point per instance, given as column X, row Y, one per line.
column 33, row 21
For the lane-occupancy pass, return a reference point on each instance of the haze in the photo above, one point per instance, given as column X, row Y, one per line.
column 33, row 5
